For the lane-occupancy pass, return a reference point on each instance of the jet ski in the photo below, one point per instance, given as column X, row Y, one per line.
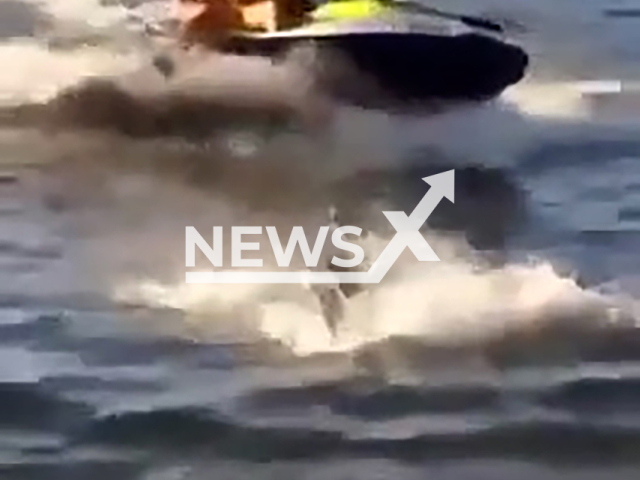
column 408, row 59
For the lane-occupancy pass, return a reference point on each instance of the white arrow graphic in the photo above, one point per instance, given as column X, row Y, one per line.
column 408, row 235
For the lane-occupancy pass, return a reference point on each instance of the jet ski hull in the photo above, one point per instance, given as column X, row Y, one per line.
column 411, row 68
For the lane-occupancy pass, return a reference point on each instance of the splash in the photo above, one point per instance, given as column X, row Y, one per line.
column 38, row 75
column 453, row 302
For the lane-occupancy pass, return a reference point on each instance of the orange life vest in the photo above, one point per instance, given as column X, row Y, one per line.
column 204, row 21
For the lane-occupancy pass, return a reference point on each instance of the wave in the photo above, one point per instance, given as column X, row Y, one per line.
column 452, row 302
column 552, row 442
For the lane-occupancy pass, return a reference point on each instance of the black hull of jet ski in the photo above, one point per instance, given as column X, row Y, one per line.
column 410, row 68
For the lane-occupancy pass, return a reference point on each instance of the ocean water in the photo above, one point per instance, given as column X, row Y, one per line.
column 516, row 355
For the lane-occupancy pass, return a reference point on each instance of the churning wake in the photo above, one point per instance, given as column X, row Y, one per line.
column 139, row 157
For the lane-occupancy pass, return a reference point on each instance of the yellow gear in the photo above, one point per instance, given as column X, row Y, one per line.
column 348, row 10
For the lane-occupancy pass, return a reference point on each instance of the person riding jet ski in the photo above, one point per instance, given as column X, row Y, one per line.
column 209, row 22
column 449, row 59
